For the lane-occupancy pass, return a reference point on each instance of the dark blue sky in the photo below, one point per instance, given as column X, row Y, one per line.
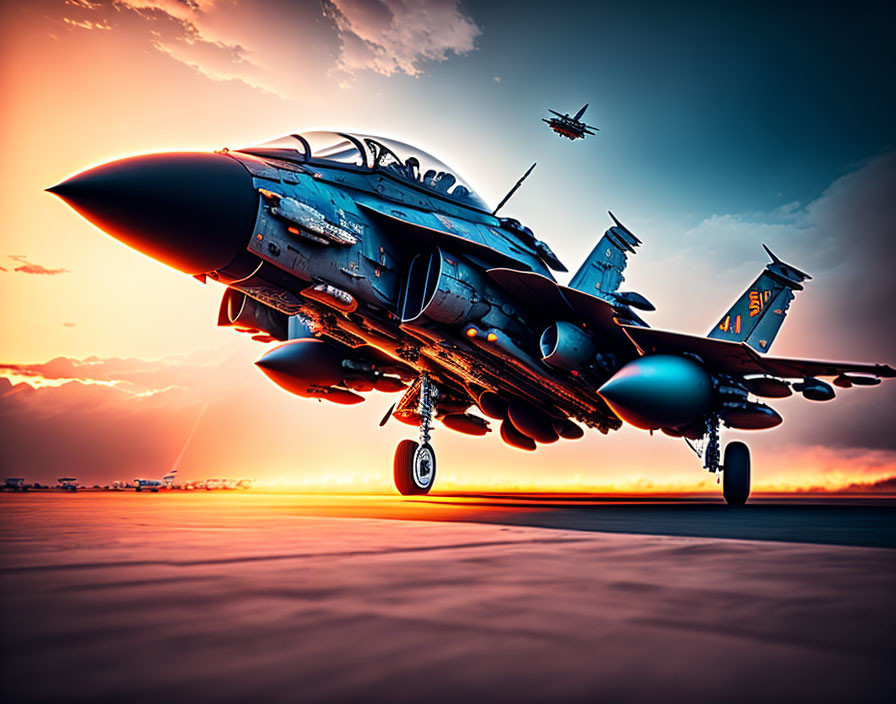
column 743, row 101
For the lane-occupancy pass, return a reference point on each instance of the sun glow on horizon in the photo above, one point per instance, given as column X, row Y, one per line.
column 378, row 483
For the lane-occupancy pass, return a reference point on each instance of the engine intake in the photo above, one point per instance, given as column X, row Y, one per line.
column 566, row 346
column 443, row 289
column 239, row 310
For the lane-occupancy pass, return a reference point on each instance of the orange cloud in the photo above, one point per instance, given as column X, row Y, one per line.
column 173, row 28
column 116, row 418
column 31, row 268
column 246, row 40
column 86, row 24
column 103, row 419
column 882, row 486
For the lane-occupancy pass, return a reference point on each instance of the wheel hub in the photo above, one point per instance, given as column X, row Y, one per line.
column 423, row 466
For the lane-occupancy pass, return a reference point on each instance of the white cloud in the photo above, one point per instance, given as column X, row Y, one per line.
column 398, row 36
column 845, row 240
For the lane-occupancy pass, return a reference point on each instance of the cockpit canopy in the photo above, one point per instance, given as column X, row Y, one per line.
column 362, row 151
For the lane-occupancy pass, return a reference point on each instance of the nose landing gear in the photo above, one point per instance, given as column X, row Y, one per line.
column 415, row 462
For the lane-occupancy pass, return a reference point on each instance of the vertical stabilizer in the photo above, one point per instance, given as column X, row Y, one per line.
column 756, row 316
column 601, row 273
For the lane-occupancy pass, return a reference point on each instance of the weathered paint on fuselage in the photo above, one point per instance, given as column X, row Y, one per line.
column 394, row 221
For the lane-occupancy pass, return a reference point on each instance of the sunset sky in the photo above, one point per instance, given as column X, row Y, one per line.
column 722, row 126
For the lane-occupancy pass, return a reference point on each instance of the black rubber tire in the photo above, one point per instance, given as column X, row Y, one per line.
column 403, row 469
column 736, row 474
column 403, row 466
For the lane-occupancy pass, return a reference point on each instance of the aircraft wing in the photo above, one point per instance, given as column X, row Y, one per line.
column 554, row 112
column 554, row 301
column 738, row 358
column 598, row 315
column 793, row 368
column 536, row 290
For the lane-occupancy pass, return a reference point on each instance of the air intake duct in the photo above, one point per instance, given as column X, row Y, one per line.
column 566, row 346
column 241, row 311
column 443, row 289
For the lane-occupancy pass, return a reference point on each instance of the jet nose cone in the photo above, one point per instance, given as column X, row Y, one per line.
column 192, row 211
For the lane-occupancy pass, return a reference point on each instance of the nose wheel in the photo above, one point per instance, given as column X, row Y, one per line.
column 415, row 462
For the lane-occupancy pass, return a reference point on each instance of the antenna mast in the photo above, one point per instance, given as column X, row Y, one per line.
column 513, row 190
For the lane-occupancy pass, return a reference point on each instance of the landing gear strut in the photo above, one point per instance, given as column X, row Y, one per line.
column 415, row 462
column 735, row 469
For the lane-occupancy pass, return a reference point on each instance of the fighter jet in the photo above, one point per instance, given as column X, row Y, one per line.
column 67, row 484
column 14, row 484
column 376, row 267
column 570, row 127
column 153, row 485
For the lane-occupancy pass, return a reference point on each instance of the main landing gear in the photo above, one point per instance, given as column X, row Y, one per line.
column 415, row 462
column 735, row 469
column 736, row 473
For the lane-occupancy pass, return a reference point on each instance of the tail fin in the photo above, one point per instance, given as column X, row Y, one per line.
column 601, row 273
column 581, row 112
column 756, row 316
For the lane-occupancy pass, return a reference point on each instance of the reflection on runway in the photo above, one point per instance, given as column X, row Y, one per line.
column 280, row 597
column 831, row 520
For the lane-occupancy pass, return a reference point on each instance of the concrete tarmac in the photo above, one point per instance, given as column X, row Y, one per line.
column 234, row 597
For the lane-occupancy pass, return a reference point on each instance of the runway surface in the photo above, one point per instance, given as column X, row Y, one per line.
column 237, row 596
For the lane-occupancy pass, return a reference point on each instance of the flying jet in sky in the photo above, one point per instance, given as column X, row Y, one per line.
column 570, row 127
column 376, row 267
